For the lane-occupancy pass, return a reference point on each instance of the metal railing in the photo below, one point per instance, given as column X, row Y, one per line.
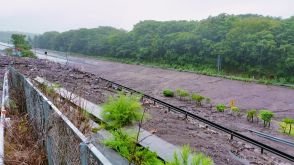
column 212, row 124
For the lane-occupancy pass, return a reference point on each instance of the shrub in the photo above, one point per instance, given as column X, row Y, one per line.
column 168, row 93
column 197, row 98
column 121, row 111
column 127, row 147
column 266, row 116
column 182, row 93
column 220, row 107
column 235, row 109
column 251, row 114
column 283, row 126
column 287, row 124
column 8, row 51
column 186, row 154
column 28, row 53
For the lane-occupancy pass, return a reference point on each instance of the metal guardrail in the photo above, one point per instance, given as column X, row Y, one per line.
column 217, row 126
column 272, row 138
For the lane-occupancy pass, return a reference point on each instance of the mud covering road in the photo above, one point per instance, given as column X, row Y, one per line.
column 169, row 126
column 153, row 80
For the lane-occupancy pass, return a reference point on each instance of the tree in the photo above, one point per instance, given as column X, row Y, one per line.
column 21, row 44
column 266, row 116
column 250, row 45
column 288, row 121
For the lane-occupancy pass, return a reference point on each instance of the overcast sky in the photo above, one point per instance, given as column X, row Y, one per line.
column 38, row 16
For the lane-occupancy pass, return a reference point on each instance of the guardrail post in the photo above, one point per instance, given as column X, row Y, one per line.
column 154, row 102
column 168, row 109
column 83, row 153
column 261, row 151
column 186, row 115
column 232, row 136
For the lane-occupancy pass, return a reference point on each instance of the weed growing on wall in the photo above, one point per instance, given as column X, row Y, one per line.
column 122, row 110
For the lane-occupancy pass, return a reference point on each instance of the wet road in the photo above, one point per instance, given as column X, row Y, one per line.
column 154, row 80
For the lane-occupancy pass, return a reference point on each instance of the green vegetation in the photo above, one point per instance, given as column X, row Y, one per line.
column 266, row 116
column 220, row 107
column 186, row 154
column 22, row 45
column 251, row 114
column 182, row 93
column 286, row 126
column 198, row 98
column 236, row 110
column 127, row 147
column 168, row 93
column 122, row 111
column 119, row 112
column 252, row 47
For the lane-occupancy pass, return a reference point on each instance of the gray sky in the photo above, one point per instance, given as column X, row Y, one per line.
column 38, row 16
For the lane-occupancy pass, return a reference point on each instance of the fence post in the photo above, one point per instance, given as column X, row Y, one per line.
column 83, row 153
column 49, row 150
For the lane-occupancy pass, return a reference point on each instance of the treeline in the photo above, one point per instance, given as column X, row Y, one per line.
column 249, row 45
column 5, row 36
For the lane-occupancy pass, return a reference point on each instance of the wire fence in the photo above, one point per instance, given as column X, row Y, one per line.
column 64, row 143
column 4, row 106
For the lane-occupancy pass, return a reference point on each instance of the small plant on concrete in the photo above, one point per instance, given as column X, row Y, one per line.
column 182, row 93
column 251, row 114
column 266, row 116
column 122, row 111
column 126, row 145
column 197, row 98
column 220, row 107
column 189, row 158
column 49, row 90
column 286, row 125
column 168, row 93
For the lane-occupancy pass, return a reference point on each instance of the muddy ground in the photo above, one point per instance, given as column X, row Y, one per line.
column 153, row 80
column 171, row 127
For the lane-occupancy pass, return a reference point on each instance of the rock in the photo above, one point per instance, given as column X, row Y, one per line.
column 190, row 128
column 213, row 132
column 256, row 150
column 202, row 126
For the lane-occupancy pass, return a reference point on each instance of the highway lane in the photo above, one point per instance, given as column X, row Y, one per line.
column 154, row 80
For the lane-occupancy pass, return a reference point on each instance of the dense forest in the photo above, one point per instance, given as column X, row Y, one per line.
column 249, row 45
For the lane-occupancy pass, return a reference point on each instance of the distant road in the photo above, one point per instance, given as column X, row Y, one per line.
column 4, row 45
column 153, row 80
